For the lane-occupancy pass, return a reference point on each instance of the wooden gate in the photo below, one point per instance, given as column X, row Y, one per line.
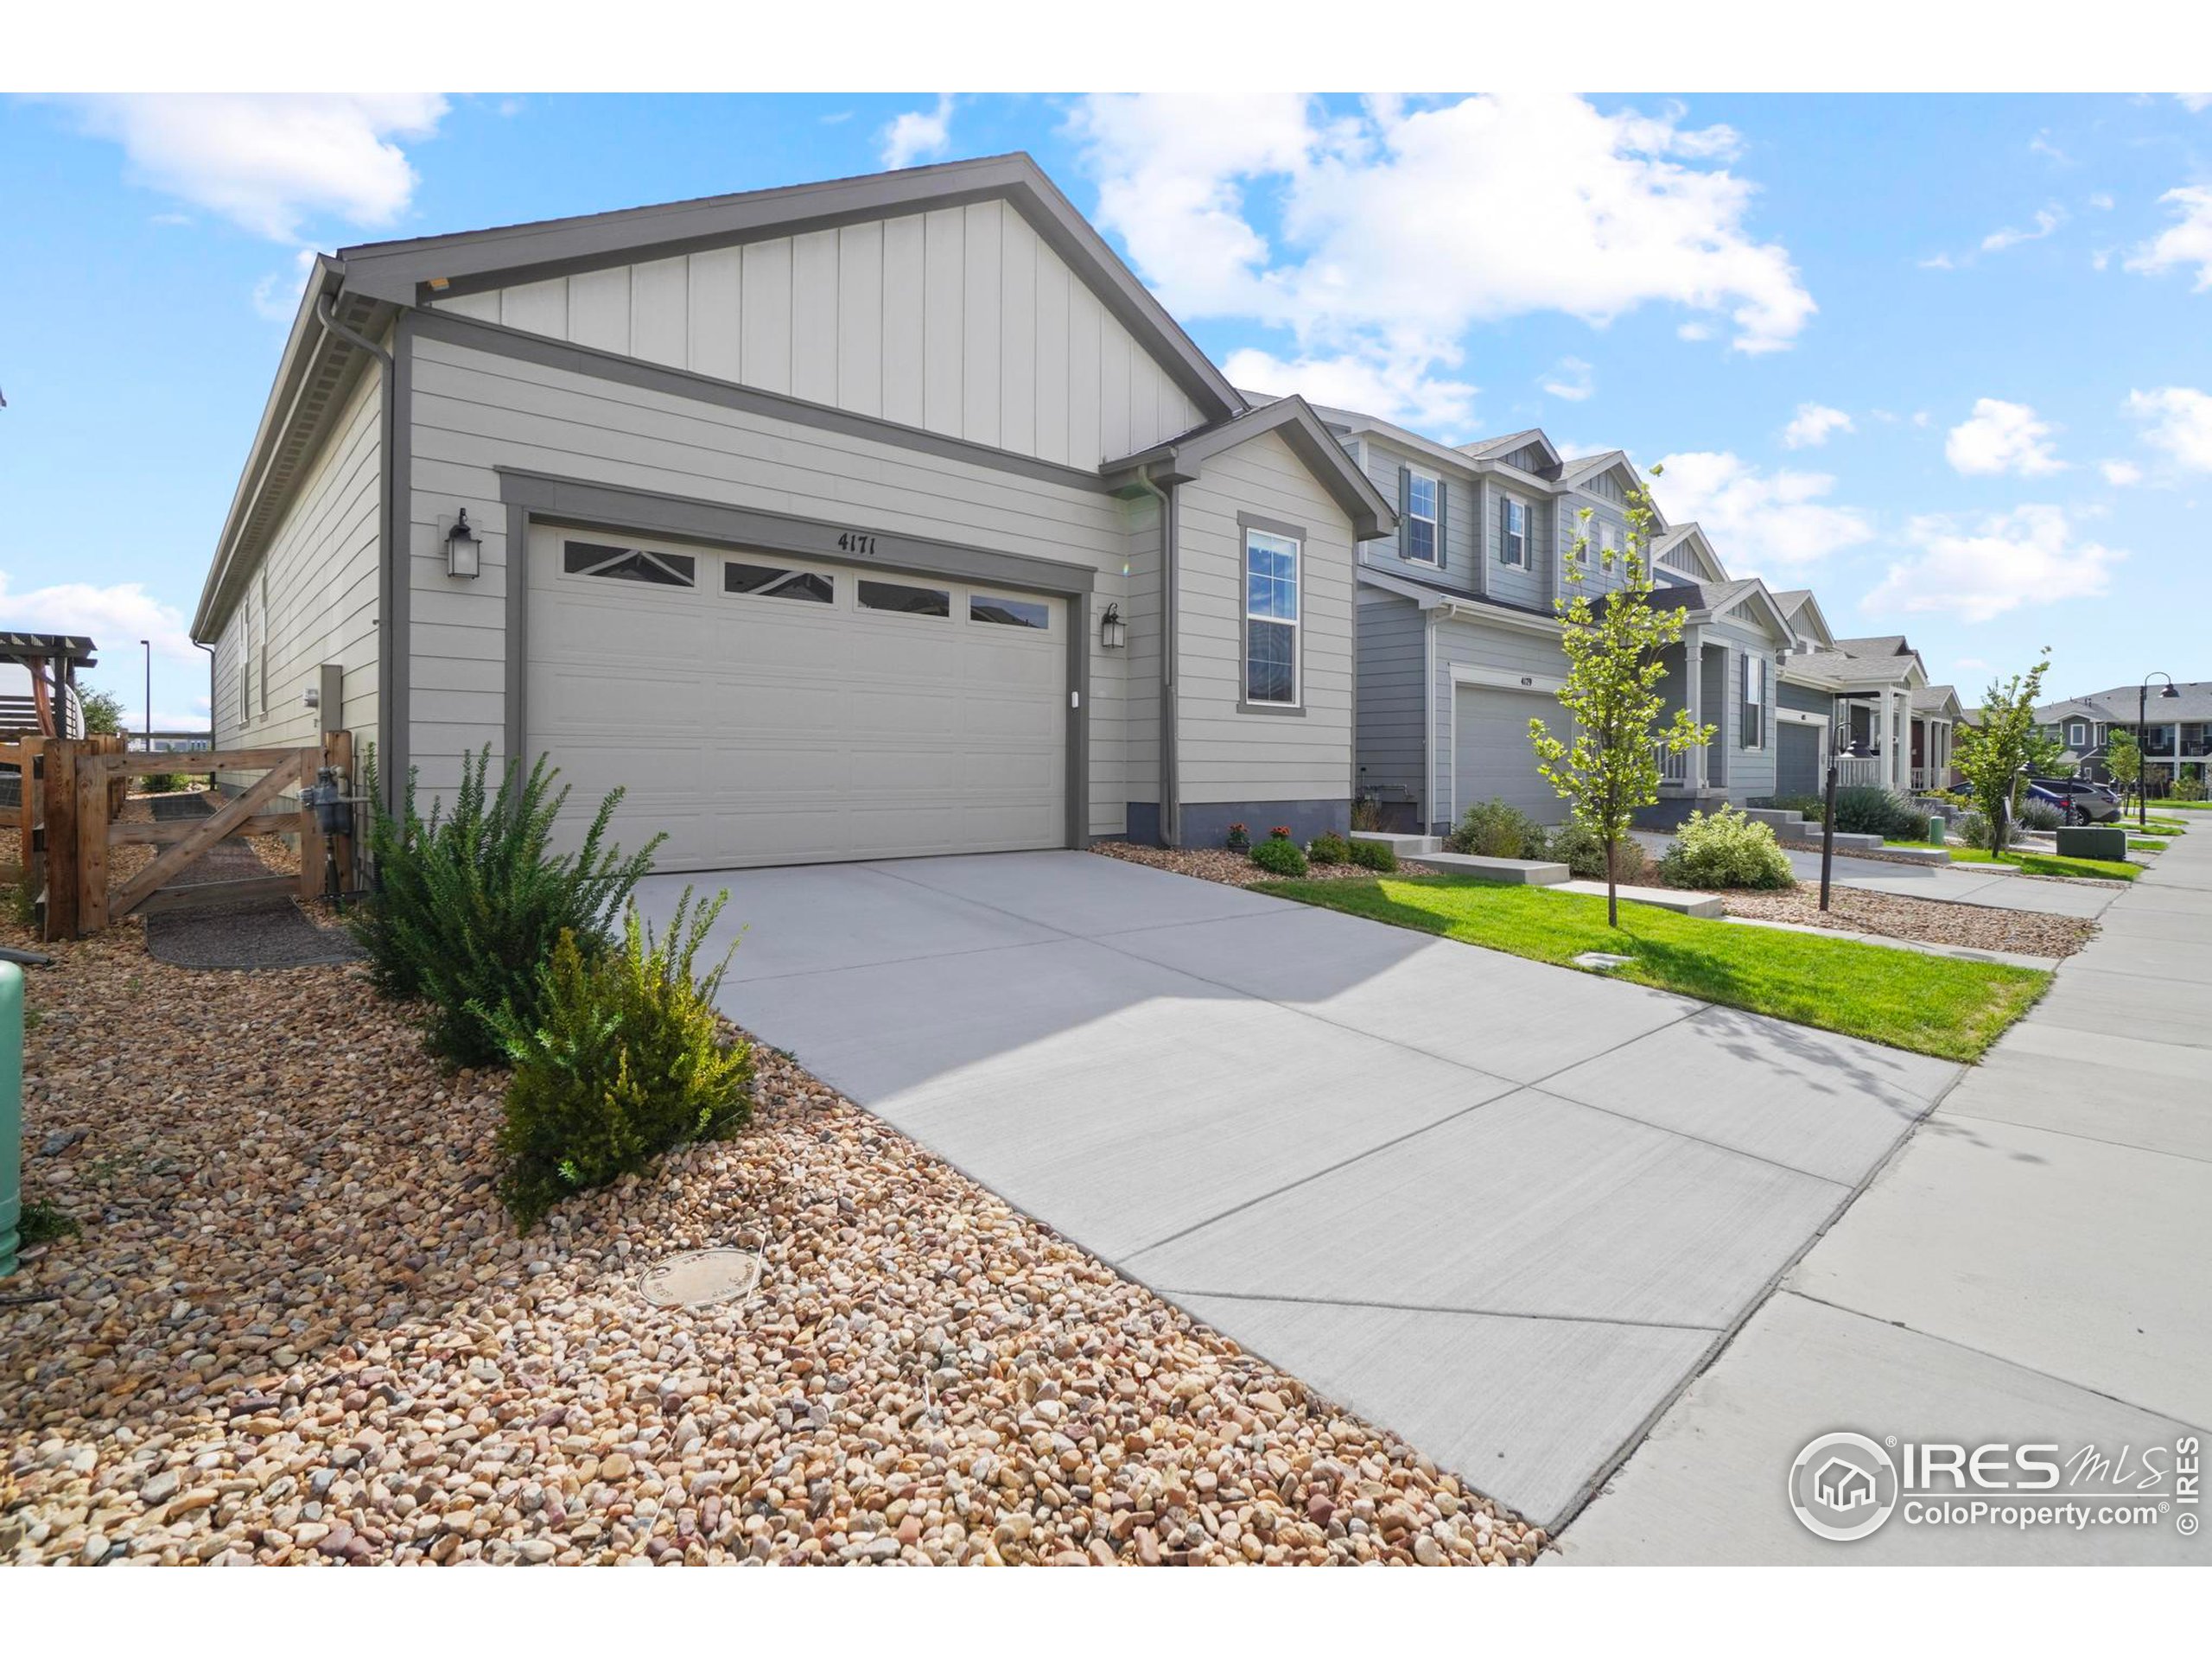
column 80, row 790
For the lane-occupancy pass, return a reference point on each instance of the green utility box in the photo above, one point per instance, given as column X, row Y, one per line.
column 2094, row 841
column 1938, row 829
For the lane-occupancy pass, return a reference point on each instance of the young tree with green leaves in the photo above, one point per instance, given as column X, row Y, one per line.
column 1609, row 765
column 102, row 712
column 2124, row 760
column 1995, row 757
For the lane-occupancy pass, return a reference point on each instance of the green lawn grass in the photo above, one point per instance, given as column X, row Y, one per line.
column 2157, row 805
column 1932, row 1005
column 2101, row 869
column 2142, row 844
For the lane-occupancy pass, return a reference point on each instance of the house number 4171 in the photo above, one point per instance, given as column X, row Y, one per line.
column 854, row 542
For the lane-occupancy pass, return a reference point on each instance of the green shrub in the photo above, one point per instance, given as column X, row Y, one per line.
column 2191, row 788
column 162, row 783
column 1864, row 810
column 2038, row 815
column 1377, row 856
column 469, row 906
column 1366, row 813
column 1973, row 829
column 1805, row 806
column 1280, row 857
column 1329, row 847
column 624, row 1061
column 1725, row 850
column 1493, row 830
column 1576, row 845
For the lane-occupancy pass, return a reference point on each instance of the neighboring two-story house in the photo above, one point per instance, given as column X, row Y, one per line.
column 1460, row 634
column 2174, row 731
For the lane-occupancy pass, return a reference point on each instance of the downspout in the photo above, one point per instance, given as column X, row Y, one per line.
column 388, row 572
column 1171, row 792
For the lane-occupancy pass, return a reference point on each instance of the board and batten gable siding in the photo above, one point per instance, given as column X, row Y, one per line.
column 960, row 320
column 1393, row 659
column 1462, row 518
column 1225, row 754
column 312, row 597
column 475, row 411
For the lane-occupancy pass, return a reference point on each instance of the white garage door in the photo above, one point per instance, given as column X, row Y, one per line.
column 1492, row 759
column 764, row 709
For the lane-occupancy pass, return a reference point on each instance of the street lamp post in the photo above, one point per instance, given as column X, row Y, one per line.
column 1850, row 750
column 2143, row 744
column 149, row 694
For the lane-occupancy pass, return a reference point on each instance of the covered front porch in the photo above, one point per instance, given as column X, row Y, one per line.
column 1898, row 747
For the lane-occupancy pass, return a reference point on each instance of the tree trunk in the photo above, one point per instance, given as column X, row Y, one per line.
column 1613, row 882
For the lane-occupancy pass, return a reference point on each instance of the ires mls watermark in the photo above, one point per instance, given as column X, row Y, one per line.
column 1845, row 1486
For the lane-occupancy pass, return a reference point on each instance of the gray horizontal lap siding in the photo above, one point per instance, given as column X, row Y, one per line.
column 475, row 412
column 1528, row 587
column 1459, row 572
column 1805, row 699
column 1482, row 645
column 1393, row 657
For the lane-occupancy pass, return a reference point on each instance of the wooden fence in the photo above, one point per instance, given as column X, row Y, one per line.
column 72, row 799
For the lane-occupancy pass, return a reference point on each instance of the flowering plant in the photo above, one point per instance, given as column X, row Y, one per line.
column 1280, row 832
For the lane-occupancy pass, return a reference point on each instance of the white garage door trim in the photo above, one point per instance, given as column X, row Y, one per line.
column 537, row 499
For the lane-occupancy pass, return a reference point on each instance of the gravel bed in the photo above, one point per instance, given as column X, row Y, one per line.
column 1932, row 921
column 1233, row 869
column 296, row 1328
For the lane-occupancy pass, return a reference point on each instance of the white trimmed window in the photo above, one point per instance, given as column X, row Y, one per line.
column 1753, row 731
column 1423, row 518
column 1513, row 532
column 1271, row 577
column 1609, row 543
column 2078, row 734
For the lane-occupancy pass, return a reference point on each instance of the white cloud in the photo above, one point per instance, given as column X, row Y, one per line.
column 2101, row 200
column 2120, row 473
column 1570, row 380
column 1972, row 664
column 276, row 297
column 268, row 162
column 1939, row 262
column 918, row 135
column 112, row 618
column 1920, row 417
column 1812, row 426
column 1406, row 393
column 2180, row 419
column 2047, row 221
column 2002, row 437
column 2041, row 144
column 1607, row 213
column 2187, row 241
column 1996, row 564
column 1693, row 331
column 1758, row 520
column 2195, row 102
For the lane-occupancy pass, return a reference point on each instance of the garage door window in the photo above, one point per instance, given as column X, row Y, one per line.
column 768, row 582
column 1009, row 613
column 910, row 602
column 1270, row 619
column 628, row 565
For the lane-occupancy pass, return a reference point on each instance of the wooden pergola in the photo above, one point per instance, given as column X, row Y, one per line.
column 53, row 660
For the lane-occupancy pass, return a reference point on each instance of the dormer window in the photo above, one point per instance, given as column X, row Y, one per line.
column 1423, row 520
column 1513, row 533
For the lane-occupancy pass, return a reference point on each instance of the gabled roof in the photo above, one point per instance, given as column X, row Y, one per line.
column 1879, row 644
column 1938, row 699
column 1498, row 448
column 1805, row 614
column 410, row 272
column 1349, row 420
column 1578, row 468
column 1841, row 668
column 1693, row 537
column 1181, row 458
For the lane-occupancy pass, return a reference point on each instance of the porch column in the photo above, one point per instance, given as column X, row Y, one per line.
column 1889, row 737
column 1693, row 697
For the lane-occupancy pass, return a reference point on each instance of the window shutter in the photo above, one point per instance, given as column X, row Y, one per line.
column 1443, row 490
column 1505, row 531
column 1405, row 511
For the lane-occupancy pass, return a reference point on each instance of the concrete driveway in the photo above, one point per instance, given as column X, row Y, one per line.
column 1504, row 1210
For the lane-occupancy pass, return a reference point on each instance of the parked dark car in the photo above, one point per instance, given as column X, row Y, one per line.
column 2080, row 802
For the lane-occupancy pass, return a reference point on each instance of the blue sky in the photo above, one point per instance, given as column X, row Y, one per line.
column 1946, row 360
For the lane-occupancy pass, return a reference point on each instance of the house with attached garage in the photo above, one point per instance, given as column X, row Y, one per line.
column 1460, row 633
column 881, row 517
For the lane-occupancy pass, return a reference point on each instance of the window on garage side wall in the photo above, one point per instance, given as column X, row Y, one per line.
column 1271, row 627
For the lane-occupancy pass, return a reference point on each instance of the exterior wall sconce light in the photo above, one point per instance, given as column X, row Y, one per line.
column 464, row 552
column 1113, row 633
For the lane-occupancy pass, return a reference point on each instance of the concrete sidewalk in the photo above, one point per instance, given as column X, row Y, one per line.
column 2029, row 1267
column 1500, row 1208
